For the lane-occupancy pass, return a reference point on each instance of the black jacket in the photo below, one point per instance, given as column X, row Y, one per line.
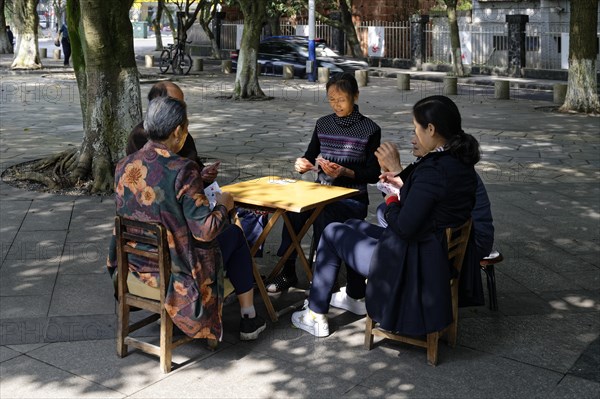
column 408, row 288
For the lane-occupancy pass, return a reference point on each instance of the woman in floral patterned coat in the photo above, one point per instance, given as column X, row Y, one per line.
column 156, row 185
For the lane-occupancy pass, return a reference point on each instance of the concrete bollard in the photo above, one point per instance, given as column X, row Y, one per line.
column 226, row 66
column 288, row 71
column 403, row 81
column 56, row 54
column 450, row 85
column 560, row 93
column 362, row 77
column 323, row 74
column 149, row 58
column 43, row 52
column 197, row 64
column 502, row 89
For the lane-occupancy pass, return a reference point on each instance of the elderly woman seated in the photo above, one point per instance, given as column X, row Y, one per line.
column 155, row 184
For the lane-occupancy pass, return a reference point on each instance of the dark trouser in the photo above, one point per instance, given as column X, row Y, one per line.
column 253, row 225
column 236, row 258
column 335, row 212
column 353, row 243
column 66, row 46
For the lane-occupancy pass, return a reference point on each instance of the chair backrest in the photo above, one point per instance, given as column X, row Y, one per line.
column 458, row 238
column 130, row 233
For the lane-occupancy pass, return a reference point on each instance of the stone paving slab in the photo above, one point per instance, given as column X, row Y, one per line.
column 24, row 377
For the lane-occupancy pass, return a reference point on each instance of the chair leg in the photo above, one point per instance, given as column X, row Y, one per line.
column 122, row 327
column 432, row 348
column 491, row 285
column 166, row 341
column 369, row 333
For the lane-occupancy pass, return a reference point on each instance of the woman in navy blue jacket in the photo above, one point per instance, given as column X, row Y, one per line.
column 406, row 263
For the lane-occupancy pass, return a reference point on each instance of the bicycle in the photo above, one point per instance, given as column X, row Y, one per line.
column 174, row 56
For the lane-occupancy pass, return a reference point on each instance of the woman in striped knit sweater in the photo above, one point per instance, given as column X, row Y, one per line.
column 343, row 148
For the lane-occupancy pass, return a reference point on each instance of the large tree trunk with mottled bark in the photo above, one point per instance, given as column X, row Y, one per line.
column 107, row 77
column 349, row 28
column 6, row 46
column 246, row 79
column 582, row 90
column 156, row 21
column 26, row 22
column 455, row 56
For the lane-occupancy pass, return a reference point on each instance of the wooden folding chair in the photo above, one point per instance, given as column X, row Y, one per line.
column 130, row 234
column 458, row 239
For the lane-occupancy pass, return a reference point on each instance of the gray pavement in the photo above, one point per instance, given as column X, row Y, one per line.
column 542, row 171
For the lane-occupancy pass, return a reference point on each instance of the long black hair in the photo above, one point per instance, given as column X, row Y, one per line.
column 443, row 113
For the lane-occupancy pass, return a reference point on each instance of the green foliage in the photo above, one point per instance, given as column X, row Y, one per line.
column 461, row 5
column 285, row 8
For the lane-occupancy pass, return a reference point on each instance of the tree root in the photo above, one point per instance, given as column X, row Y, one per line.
column 52, row 171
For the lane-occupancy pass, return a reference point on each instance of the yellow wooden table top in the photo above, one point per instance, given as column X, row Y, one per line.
column 291, row 195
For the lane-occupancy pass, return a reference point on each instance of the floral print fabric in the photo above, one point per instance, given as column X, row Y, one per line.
column 156, row 185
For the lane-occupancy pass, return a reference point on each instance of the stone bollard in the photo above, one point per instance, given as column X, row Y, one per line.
column 450, row 85
column 323, row 74
column 43, row 52
column 149, row 60
column 288, row 71
column 226, row 66
column 502, row 89
column 197, row 64
column 362, row 77
column 56, row 54
column 403, row 81
column 560, row 92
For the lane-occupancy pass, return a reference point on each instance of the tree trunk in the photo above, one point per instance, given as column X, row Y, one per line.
column 171, row 23
column 456, row 54
column 273, row 25
column 109, row 91
column 246, row 79
column 26, row 20
column 5, row 44
column 156, row 24
column 582, row 93
column 59, row 9
column 216, row 51
column 350, row 29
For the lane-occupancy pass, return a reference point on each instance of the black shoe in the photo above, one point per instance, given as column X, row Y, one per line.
column 251, row 327
column 282, row 283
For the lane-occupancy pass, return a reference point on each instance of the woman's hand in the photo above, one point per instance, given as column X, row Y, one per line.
column 388, row 157
column 209, row 173
column 390, row 177
column 335, row 170
column 303, row 165
column 225, row 199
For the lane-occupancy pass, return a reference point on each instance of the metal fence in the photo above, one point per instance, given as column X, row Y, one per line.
column 396, row 34
column 487, row 43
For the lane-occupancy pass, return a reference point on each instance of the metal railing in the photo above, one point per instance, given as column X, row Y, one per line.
column 488, row 42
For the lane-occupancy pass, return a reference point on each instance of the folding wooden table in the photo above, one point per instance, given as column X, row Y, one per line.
column 279, row 196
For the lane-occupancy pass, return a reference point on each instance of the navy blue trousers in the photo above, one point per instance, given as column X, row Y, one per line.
column 353, row 243
column 339, row 211
column 236, row 258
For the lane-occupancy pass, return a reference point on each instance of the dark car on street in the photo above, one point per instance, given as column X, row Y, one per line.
column 275, row 51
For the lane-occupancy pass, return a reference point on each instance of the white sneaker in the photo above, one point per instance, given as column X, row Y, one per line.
column 313, row 323
column 342, row 301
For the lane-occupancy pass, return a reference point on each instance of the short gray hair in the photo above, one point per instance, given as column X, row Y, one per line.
column 163, row 116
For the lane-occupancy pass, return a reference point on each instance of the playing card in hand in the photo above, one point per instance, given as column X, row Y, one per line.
column 210, row 192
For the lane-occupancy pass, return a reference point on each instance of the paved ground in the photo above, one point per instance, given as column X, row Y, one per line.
column 542, row 171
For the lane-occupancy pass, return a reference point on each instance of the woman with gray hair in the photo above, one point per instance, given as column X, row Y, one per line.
column 155, row 184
